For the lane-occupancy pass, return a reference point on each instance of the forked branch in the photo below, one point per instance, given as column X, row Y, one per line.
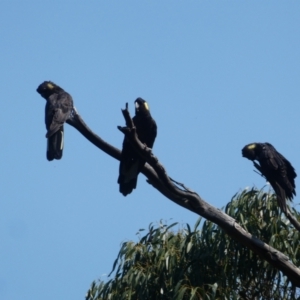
column 158, row 178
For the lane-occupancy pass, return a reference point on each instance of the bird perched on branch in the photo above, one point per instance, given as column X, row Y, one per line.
column 58, row 108
column 275, row 168
column 131, row 163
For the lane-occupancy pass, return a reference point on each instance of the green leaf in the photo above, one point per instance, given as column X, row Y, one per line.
column 189, row 247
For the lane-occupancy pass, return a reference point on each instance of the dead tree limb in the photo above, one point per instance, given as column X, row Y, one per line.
column 292, row 219
column 158, row 178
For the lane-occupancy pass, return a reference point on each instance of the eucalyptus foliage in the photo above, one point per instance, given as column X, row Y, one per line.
column 203, row 262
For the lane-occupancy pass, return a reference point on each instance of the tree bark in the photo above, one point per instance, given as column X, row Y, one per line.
column 159, row 179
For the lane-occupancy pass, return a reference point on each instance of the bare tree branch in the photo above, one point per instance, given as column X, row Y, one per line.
column 158, row 178
column 77, row 122
column 292, row 219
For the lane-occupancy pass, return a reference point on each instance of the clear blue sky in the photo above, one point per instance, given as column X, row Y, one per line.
column 216, row 74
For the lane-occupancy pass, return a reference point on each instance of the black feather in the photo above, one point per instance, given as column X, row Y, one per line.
column 278, row 171
column 131, row 163
column 58, row 108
